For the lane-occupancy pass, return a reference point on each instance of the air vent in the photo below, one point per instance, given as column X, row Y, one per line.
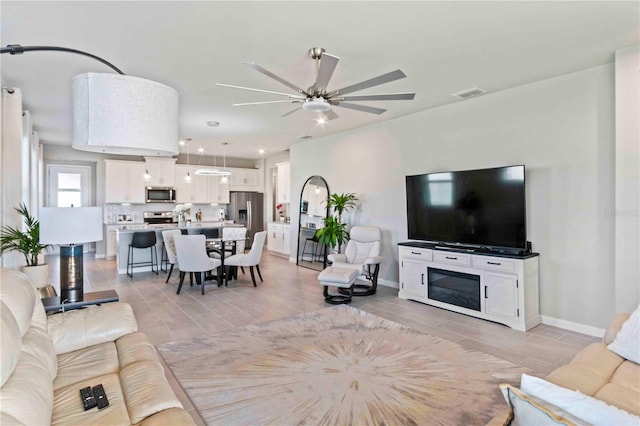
column 469, row 93
column 305, row 137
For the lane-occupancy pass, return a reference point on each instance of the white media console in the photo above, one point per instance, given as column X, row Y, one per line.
column 500, row 288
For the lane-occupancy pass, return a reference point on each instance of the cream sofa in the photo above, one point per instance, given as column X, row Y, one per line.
column 595, row 372
column 46, row 360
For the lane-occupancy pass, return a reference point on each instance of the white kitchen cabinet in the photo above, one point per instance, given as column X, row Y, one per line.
column 202, row 189
column 499, row 288
column 112, row 242
column 286, row 240
column 274, row 238
column 162, row 171
column 218, row 191
column 244, row 179
column 124, row 182
column 283, row 190
column 278, row 240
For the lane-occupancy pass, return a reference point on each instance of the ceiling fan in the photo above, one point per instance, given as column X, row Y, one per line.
column 317, row 98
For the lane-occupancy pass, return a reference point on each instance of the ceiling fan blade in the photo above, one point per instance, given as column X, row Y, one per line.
column 275, row 77
column 357, row 107
column 383, row 97
column 291, row 111
column 376, row 81
column 331, row 115
column 260, row 90
column 267, row 102
column 325, row 71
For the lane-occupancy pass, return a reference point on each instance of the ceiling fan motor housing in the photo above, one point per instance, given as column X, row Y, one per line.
column 316, row 104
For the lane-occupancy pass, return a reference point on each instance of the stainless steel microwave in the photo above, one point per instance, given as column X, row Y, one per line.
column 157, row 194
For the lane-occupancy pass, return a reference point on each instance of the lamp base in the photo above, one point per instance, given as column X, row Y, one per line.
column 71, row 273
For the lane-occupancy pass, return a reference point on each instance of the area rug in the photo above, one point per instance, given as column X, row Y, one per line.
column 337, row 366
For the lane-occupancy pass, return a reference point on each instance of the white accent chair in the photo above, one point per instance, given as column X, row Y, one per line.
column 250, row 259
column 170, row 248
column 362, row 253
column 192, row 256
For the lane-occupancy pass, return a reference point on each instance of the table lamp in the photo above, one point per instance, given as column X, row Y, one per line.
column 70, row 228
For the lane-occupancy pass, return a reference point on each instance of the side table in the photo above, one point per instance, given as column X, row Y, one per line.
column 54, row 304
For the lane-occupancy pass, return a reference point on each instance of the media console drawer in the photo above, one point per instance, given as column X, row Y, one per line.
column 452, row 258
column 493, row 263
column 416, row 253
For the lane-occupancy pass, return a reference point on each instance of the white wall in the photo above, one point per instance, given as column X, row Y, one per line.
column 627, row 208
column 561, row 129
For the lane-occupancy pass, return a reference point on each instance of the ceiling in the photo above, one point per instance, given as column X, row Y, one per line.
column 443, row 48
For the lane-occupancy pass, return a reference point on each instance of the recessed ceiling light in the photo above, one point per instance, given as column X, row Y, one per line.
column 321, row 120
column 261, row 151
column 200, row 150
column 213, row 123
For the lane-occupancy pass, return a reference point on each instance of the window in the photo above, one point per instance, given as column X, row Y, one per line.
column 69, row 186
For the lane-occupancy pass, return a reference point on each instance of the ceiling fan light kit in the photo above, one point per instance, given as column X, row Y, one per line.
column 317, row 104
column 317, row 98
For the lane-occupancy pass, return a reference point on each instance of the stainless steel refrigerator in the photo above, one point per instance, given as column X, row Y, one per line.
column 246, row 208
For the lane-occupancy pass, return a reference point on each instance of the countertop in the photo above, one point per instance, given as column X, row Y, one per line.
column 165, row 226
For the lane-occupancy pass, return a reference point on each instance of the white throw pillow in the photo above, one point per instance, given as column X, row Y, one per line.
column 627, row 341
column 582, row 406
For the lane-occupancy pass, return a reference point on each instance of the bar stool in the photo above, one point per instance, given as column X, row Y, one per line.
column 143, row 240
column 315, row 245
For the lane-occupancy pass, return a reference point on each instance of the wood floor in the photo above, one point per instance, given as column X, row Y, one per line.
column 289, row 290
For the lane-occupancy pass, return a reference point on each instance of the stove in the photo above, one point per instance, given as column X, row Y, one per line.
column 158, row 217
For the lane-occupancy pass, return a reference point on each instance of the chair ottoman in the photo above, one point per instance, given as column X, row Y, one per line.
column 341, row 278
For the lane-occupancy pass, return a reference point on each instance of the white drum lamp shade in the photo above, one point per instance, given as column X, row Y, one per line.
column 120, row 114
column 70, row 227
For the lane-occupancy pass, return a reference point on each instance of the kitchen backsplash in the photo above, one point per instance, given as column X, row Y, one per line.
column 112, row 211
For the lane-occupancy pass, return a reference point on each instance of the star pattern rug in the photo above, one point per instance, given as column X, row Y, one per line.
column 337, row 366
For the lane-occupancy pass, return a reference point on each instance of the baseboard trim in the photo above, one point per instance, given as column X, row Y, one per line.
column 388, row 283
column 572, row 326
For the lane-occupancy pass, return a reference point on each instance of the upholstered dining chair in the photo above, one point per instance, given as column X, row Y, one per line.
column 191, row 252
column 170, row 248
column 250, row 259
column 361, row 253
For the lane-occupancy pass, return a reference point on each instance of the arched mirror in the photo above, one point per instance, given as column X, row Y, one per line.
column 313, row 211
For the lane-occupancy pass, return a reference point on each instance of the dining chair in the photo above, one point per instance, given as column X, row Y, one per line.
column 192, row 257
column 237, row 235
column 250, row 259
column 170, row 248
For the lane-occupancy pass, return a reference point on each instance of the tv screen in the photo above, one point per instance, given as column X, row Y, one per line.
column 479, row 208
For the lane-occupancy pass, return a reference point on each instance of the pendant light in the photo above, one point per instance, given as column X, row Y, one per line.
column 187, row 177
column 225, row 178
column 212, row 171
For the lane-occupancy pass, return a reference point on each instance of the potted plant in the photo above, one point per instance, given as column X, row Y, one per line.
column 334, row 233
column 26, row 242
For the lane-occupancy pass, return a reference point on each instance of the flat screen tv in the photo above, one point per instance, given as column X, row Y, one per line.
column 477, row 208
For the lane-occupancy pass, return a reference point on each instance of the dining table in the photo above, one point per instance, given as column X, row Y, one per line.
column 221, row 246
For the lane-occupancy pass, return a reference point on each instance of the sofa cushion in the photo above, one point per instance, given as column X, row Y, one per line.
column 146, row 390
column 171, row 416
column 614, row 327
column 37, row 343
column 27, row 395
column 81, row 365
column 81, row 328
column 627, row 341
column 589, row 370
column 584, row 407
column 18, row 294
column 10, row 347
column 624, row 389
column 135, row 347
column 68, row 409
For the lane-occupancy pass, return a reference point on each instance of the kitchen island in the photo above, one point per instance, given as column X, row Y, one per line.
column 124, row 235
